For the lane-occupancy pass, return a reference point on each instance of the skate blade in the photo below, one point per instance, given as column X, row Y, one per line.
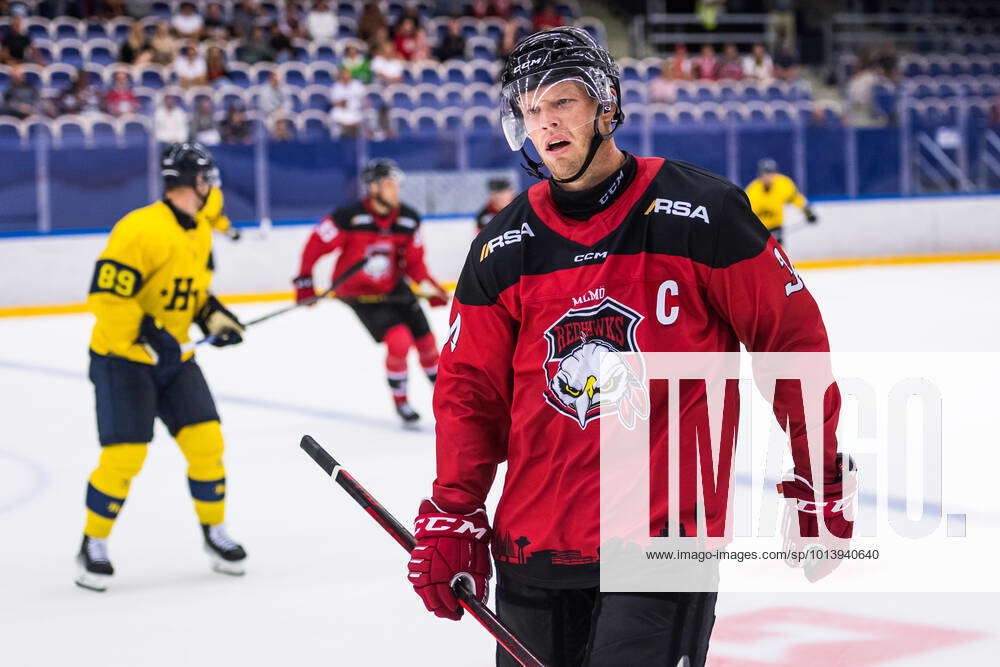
column 93, row 582
column 233, row 569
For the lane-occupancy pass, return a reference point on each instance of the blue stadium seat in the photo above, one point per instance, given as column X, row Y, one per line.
column 712, row 114
column 347, row 28
column 70, row 132
column 400, row 119
column 631, row 70
column 660, row 116
column 65, row 28
column 10, row 132
column 479, row 118
column 295, row 74
column 751, row 93
column 425, row 121
column 118, row 29
column 317, row 99
column 450, row 119
column 37, row 27
column 452, row 95
column 70, row 52
column 455, row 71
column 705, row 94
column 59, row 75
column 347, row 9
column 400, row 98
column 479, row 95
column 101, row 51
column 151, row 77
column 325, row 52
column 323, row 73
column 239, row 74
column 314, row 128
column 634, row 94
column 428, row 73
column 45, row 48
column 784, row 114
column 161, row 9
column 375, row 99
column 96, row 30
column 103, row 133
column 427, row 96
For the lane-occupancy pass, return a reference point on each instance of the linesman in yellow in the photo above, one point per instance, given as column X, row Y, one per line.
column 149, row 285
column 770, row 192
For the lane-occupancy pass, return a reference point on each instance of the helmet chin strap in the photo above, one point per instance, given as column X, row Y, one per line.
column 534, row 167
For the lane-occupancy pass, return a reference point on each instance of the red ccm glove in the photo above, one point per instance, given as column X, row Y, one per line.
column 304, row 289
column 802, row 513
column 450, row 547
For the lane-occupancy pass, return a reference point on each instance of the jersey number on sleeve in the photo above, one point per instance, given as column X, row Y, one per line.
column 115, row 278
column 796, row 284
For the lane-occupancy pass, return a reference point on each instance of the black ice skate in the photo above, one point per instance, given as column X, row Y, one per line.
column 409, row 416
column 95, row 566
column 227, row 556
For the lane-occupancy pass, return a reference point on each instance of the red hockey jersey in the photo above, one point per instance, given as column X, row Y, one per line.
column 541, row 293
column 392, row 244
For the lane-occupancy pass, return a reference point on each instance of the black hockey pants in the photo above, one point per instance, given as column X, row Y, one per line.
column 587, row 628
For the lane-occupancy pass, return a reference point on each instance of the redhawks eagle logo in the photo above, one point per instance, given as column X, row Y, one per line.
column 588, row 374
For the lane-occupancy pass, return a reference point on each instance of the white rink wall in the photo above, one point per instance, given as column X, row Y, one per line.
column 56, row 270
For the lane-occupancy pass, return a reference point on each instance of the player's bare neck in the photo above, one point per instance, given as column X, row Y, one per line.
column 609, row 158
column 185, row 200
column 380, row 207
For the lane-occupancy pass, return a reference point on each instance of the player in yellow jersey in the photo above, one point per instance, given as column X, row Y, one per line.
column 150, row 284
column 770, row 192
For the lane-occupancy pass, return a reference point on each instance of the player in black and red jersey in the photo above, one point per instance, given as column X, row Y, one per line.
column 387, row 233
column 501, row 194
column 610, row 254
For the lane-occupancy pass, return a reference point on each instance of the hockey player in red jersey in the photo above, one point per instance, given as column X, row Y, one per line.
column 609, row 254
column 501, row 194
column 386, row 234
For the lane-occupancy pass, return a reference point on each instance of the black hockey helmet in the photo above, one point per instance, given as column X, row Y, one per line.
column 767, row 166
column 181, row 163
column 498, row 184
column 548, row 57
column 380, row 168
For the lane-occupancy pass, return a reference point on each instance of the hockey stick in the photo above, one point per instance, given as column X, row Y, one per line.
column 466, row 598
column 350, row 271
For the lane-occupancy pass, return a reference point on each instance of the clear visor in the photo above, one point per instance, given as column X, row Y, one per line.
column 562, row 97
column 213, row 177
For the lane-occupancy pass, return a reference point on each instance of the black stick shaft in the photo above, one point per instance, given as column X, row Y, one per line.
column 405, row 538
column 350, row 271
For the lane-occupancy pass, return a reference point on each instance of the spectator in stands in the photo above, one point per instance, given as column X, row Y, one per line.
column 452, row 46
column 758, row 66
column 80, row 98
column 706, row 64
column 888, row 62
column 501, row 9
column 730, row 67
column 236, row 127
column 679, row 64
column 271, row 99
column 190, row 68
column 16, row 44
column 110, row 9
column 281, row 43
column 546, row 17
column 135, row 50
column 120, row 99
column 256, row 49
column 138, row 9
column 216, row 26
column 170, row 122
column 321, row 22
column 411, row 41
column 786, row 62
column 163, row 44
column 283, row 130
column 188, row 22
column 347, row 98
column 203, row 127
column 21, row 98
column 357, row 63
column 215, row 66
column 293, row 22
column 861, row 93
column 507, row 41
column 479, row 9
column 245, row 18
column 387, row 66
column 371, row 21
column 663, row 89
column 379, row 124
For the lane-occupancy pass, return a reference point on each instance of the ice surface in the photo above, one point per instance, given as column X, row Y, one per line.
column 325, row 586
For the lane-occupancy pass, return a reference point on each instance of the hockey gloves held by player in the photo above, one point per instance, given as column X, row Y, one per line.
column 162, row 347
column 215, row 320
column 450, row 548
column 803, row 513
column 304, row 289
column 435, row 294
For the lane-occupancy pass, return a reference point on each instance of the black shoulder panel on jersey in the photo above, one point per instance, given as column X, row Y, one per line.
column 685, row 211
column 407, row 222
column 495, row 259
column 342, row 216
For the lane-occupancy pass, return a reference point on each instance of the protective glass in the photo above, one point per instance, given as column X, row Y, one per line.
column 524, row 102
